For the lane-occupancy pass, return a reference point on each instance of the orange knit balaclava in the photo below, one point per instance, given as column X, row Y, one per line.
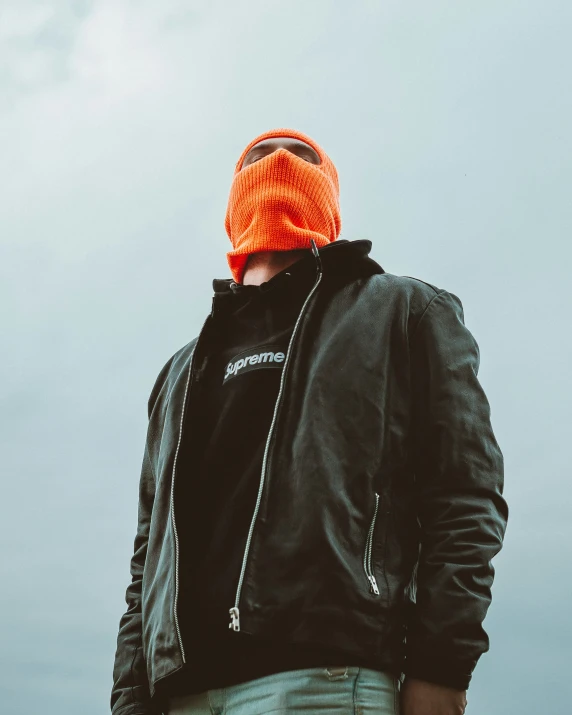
column 281, row 201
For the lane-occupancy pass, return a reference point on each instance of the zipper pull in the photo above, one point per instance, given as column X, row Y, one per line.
column 316, row 255
column 373, row 585
column 234, row 619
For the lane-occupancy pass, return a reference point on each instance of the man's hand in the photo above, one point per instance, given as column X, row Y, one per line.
column 419, row 697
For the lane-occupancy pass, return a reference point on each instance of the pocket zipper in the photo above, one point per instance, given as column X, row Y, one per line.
column 367, row 556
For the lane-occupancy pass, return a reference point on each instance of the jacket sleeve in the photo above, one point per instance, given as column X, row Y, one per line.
column 459, row 479
column 130, row 692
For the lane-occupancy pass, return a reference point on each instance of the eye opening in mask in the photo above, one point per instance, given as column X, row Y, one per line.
column 267, row 147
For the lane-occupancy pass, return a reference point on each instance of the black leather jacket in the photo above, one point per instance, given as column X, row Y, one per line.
column 380, row 502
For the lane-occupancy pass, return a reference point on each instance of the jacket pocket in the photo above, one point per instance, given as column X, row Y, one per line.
column 367, row 554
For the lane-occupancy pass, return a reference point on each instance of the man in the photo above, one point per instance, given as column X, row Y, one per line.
column 321, row 490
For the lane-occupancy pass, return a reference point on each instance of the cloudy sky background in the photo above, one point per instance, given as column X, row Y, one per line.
column 120, row 122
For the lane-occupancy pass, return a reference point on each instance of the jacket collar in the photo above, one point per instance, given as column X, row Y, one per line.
column 341, row 257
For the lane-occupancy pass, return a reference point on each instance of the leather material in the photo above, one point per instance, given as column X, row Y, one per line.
column 380, row 396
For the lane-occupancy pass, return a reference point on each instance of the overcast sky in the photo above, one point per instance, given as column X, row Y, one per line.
column 450, row 124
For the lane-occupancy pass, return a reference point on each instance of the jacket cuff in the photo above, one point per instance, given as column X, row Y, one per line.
column 437, row 669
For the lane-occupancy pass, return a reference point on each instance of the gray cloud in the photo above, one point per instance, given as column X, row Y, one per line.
column 119, row 127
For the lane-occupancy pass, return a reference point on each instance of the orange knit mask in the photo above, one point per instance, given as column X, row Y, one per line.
column 281, row 201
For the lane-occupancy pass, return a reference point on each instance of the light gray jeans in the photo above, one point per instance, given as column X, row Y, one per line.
column 343, row 690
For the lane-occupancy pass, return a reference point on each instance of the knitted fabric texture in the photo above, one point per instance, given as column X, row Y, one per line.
column 281, row 201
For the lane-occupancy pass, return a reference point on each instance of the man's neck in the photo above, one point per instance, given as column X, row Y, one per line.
column 263, row 265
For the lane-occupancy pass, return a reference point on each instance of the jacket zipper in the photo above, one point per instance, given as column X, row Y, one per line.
column 411, row 588
column 367, row 555
column 234, row 611
column 175, row 534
